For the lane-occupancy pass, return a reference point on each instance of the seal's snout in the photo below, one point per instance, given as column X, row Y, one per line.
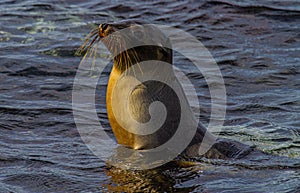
column 103, row 30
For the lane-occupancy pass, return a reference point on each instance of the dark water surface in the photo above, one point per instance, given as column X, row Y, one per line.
column 256, row 45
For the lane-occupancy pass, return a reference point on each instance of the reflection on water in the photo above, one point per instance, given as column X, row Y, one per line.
column 255, row 44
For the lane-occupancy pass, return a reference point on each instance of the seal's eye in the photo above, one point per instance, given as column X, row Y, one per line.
column 104, row 26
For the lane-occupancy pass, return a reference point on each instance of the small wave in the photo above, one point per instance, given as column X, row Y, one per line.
column 258, row 6
column 34, row 71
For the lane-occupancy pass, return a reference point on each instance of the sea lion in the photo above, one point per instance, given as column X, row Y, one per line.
column 143, row 95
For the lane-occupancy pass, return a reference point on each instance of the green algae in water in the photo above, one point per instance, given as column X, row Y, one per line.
column 40, row 26
column 5, row 36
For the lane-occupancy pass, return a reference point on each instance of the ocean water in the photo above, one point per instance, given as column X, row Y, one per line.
column 256, row 45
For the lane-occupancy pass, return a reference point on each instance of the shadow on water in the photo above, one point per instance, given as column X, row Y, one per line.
column 207, row 175
column 256, row 45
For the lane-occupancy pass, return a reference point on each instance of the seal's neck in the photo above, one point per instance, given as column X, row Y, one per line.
column 136, row 55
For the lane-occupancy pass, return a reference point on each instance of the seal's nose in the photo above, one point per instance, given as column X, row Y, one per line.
column 102, row 30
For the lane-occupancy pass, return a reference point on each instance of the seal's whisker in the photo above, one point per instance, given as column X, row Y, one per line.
column 87, row 39
column 90, row 35
column 124, row 57
column 110, row 44
column 90, row 50
column 95, row 49
column 127, row 67
column 127, row 61
column 114, row 49
column 135, row 55
column 126, row 53
column 90, row 56
column 83, row 59
column 87, row 48
column 88, row 53
column 130, row 62
column 92, row 42
column 107, row 40
column 120, row 55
